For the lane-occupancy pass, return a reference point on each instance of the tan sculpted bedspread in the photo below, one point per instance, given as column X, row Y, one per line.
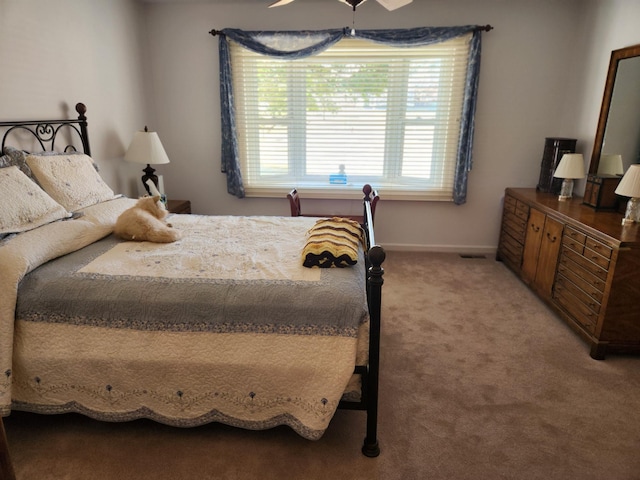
column 261, row 341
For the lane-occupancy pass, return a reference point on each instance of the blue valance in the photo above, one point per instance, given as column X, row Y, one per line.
column 300, row 44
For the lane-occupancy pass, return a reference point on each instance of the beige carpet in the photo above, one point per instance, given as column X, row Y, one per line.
column 479, row 381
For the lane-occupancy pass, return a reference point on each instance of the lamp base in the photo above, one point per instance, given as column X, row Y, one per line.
column 632, row 214
column 566, row 191
column 149, row 174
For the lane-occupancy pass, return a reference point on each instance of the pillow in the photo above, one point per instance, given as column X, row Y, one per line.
column 25, row 206
column 49, row 153
column 332, row 242
column 70, row 179
column 15, row 157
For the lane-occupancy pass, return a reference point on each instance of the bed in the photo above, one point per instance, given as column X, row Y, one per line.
column 225, row 325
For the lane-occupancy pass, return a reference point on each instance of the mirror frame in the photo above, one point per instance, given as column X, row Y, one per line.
column 616, row 56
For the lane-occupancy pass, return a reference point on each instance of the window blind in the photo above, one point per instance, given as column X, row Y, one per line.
column 383, row 115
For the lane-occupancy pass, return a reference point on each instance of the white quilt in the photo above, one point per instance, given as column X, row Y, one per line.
column 246, row 376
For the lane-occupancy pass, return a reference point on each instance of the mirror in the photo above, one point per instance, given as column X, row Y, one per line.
column 619, row 123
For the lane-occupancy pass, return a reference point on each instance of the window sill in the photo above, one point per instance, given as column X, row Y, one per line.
column 347, row 192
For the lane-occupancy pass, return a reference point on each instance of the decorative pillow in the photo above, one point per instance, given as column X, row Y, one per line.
column 332, row 242
column 49, row 153
column 70, row 179
column 24, row 205
column 15, row 157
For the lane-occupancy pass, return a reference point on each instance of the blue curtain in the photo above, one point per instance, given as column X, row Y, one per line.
column 300, row 44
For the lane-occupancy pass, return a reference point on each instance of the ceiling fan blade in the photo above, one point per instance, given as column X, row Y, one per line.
column 394, row 4
column 279, row 3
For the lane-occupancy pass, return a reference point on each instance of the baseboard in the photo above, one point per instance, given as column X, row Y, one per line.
column 462, row 249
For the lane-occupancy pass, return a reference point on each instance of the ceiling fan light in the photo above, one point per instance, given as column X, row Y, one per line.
column 279, row 3
column 353, row 3
column 394, row 4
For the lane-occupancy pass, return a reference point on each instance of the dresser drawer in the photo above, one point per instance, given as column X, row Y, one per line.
column 599, row 247
column 510, row 204
column 522, row 211
column 562, row 283
column 596, row 258
column 589, row 266
column 578, row 310
column 514, row 226
column 572, row 244
column 592, row 285
column 511, row 249
column 575, row 235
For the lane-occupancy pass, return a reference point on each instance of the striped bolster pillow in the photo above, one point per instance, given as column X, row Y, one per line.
column 332, row 242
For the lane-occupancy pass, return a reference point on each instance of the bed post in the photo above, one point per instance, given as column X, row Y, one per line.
column 82, row 109
column 376, row 256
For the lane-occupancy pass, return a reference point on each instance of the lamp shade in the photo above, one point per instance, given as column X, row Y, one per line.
column 571, row 166
column 610, row 165
column 629, row 186
column 147, row 148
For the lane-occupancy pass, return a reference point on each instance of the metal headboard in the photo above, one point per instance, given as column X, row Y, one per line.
column 46, row 132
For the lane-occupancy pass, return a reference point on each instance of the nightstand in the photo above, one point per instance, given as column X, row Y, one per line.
column 179, row 206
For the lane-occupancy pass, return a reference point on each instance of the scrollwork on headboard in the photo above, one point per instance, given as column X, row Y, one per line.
column 45, row 133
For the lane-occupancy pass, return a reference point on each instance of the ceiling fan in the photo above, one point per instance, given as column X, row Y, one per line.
column 388, row 4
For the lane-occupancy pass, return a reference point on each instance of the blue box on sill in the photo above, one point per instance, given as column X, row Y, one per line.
column 338, row 179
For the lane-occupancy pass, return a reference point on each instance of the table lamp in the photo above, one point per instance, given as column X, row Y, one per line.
column 610, row 165
column 629, row 186
column 146, row 147
column 571, row 166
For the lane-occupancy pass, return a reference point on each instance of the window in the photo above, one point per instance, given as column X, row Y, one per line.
column 396, row 116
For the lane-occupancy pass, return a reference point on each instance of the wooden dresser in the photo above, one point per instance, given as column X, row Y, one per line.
column 581, row 262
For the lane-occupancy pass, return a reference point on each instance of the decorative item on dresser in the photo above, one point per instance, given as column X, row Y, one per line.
column 582, row 263
column 554, row 149
column 179, row 206
column 630, row 187
column 599, row 191
column 570, row 168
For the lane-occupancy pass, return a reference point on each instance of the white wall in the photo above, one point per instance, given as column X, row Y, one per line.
column 609, row 25
column 54, row 54
column 523, row 87
column 135, row 63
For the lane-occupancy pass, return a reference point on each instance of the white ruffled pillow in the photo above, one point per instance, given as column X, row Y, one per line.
column 25, row 205
column 71, row 180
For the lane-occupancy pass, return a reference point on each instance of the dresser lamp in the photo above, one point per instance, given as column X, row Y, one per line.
column 610, row 165
column 571, row 166
column 629, row 186
column 146, row 148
